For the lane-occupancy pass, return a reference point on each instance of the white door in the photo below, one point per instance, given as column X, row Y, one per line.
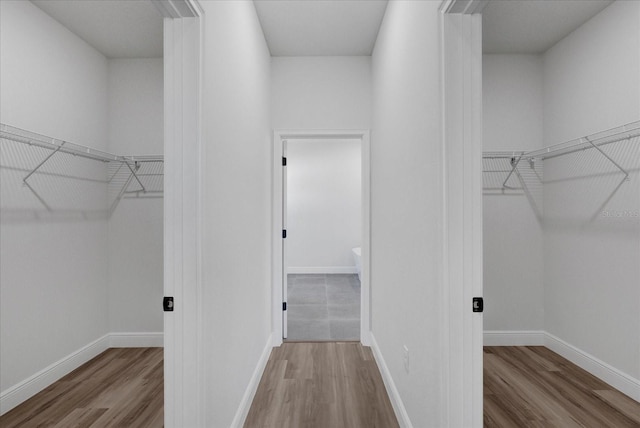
column 284, row 240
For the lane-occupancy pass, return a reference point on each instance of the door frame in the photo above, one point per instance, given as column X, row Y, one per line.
column 278, row 276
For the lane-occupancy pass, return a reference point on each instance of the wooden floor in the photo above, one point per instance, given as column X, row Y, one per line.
column 118, row 388
column 321, row 385
column 329, row 385
column 535, row 387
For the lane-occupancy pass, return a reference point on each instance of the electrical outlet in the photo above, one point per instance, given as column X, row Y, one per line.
column 405, row 357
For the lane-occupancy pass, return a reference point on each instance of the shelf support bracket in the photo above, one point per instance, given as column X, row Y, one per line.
column 626, row 174
column 38, row 197
column 144, row 190
column 116, row 201
column 514, row 165
column 24, row 180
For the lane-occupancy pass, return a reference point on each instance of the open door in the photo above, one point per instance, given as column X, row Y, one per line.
column 279, row 226
column 284, row 240
column 183, row 367
column 461, row 27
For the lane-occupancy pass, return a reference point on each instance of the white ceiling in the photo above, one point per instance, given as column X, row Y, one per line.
column 116, row 28
column 133, row 28
column 320, row 27
column 533, row 26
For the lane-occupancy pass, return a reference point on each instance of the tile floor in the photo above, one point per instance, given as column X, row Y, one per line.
column 323, row 307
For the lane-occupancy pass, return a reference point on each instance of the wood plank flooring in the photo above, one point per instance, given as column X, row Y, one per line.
column 122, row 387
column 534, row 387
column 329, row 384
column 321, row 385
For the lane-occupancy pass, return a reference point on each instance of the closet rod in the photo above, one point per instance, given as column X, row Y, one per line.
column 60, row 146
column 501, row 155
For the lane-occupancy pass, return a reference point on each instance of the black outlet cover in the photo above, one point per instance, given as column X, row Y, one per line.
column 167, row 304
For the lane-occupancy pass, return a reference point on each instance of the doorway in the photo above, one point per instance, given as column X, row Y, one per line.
column 323, row 215
column 340, row 281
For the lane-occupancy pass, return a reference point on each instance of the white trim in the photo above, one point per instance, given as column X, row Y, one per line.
column 461, row 339
column 514, row 338
column 174, row 9
column 466, row 7
column 136, row 340
column 607, row 373
column 183, row 328
column 250, row 392
column 276, row 241
column 323, row 270
column 394, row 396
column 26, row 389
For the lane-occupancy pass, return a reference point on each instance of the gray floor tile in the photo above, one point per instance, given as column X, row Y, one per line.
column 307, row 295
column 342, row 296
column 344, row 312
column 307, row 312
column 309, row 280
column 346, row 287
column 344, row 329
column 323, row 312
column 309, row 330
column 341, row 276
column 339, row 282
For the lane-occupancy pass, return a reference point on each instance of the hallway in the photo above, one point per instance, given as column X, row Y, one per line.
column 329, row 384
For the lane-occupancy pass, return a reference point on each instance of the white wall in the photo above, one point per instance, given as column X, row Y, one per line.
column 594, row 67
column 135, row 227
column 236, row 204
column 512, row 244
column 324, row 220
column 512, row 102
column 321, row 92
column 53, row 276
column 406, row 170
column 53, row 82
column 591, row 83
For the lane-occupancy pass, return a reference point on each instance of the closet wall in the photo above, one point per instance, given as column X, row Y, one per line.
column 512, row 235
column 136, row 226
column 592, row 296
column 54, row 294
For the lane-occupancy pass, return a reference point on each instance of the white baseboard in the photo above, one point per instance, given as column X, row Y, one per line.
column 136, row 340
column 365, row 336
column 250, row 392
column 614, row 377
column 398, row 407
column 513, row 338
column 29, row 387
column 322, row 269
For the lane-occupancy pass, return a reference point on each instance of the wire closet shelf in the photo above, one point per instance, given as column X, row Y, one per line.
column 506, row 162
column 47, row 164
